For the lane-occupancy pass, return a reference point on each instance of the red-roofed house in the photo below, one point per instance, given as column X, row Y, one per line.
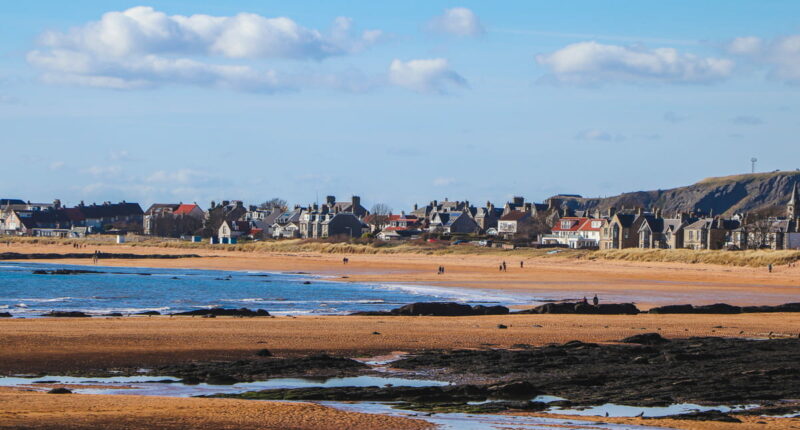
column 576, row 232
column 191, row 210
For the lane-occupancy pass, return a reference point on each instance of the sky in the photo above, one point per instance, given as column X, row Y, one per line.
column 398, row 102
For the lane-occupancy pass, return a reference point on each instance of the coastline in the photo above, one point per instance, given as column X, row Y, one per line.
column 647, row 284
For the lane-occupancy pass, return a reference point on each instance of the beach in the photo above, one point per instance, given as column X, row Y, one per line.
column 80, row 346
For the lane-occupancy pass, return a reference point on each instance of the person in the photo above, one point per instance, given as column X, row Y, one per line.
column 501, row 267
column 521, row 264
column 770, row 267
column 595, row 300
column 586, row 302
column 442, row 270
column 504, row 267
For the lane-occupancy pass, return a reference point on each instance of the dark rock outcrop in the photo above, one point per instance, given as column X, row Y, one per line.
column 645, row 339
column 66, row 314
column 712, row 415
column 243, row 312
column 723, row 308
column 442, row 309
column 60, row 390
column 5, row 315
column 65, row 272
column 149, row 313
column 584, row 309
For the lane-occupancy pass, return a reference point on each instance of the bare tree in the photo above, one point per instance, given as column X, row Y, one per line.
column 380, row 213
column 274, row 204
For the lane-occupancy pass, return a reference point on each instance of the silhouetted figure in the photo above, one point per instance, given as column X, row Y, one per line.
column 501, row 267
column 586, row 302
column 521, row 264
column 442, row 270
column 770, row 268
column 504, row 267
column 595, row 300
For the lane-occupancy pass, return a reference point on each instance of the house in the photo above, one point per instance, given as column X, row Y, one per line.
column 262, row 220
column 576, row 232
column 353, row 206
column 487, row 217
column 287, row 224
column 710, row 233
column 342, row 224
column 460, row 223
column 391, row 234
column 513, row 223
column 662, row 233
column 233, row 230
column 621, row 232
column 173, row 219
column 41, row 223
column 123, row 215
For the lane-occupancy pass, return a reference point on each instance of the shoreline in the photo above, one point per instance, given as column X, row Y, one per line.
column 647, row 284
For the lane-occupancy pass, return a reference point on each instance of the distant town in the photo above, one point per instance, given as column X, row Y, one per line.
column 517, row 223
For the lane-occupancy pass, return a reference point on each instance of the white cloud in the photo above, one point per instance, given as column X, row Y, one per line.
column 458, row 21
column 183, row 177
column 141, row 47
column 780, row 55
column 56, row 165
column 425, row 76
column 745, row 45
column 595, row 63
column 443, row 182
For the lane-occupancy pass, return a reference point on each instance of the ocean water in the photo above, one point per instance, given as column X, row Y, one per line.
column 134, row 290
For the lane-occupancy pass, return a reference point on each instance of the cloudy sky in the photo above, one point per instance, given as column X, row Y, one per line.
column 409, row 101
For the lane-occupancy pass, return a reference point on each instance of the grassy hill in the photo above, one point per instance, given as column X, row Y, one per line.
column 721, row 195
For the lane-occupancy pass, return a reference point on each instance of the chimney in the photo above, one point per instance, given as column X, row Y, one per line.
column 638, row 211
column 330, row 200
column 416, row 207
column 57, row 204
column 612, row 211
column 518, row 201
column 356, row 203
column 225, row 203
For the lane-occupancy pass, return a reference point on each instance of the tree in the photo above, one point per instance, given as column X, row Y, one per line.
column 274, row 204
column 380, row 213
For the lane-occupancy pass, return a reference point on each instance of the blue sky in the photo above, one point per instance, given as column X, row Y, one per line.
column 403, row 102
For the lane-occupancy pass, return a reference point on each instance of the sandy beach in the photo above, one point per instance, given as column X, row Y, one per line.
column 647, row 284
column 49, row 345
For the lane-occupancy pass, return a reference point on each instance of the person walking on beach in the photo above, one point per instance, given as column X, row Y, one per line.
column 501, row 267
column 504, row 267
column 442, row 270
column 770, row 267
column 595, row 300
column 95, row 257
column 521, row 264
column 585, row 302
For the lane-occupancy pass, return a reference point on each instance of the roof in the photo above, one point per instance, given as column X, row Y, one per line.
column 587, row 225
column 110, row 210
column 625, row 220
column 575, row 223
column 185, row 209
column 514, row 216
column 157, row 207
column 5, row 202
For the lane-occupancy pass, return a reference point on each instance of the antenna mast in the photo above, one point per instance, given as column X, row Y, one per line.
column 753, row 162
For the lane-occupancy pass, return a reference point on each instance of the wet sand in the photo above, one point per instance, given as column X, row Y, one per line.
column 647, row 284
column 58, row 345
column 34, row 410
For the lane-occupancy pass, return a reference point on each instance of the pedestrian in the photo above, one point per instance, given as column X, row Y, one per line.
column 521, row 264
column 504, row 267
column 770, row 267
column 595, row 300
column 585, row 302
column 501, row 267
column 442, row 270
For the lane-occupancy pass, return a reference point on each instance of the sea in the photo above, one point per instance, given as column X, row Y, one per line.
column 134, row 290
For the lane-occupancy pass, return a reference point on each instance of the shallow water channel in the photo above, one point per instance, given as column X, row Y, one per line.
column 171, row 387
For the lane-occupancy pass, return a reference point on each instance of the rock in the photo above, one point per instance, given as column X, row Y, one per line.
column 65, row 272
column 219, row 379
column 60, row 390
column 514, row 391
column 712, row 415
column 584, row 308
column 376, row 332
column 447, row 309
column 490, row 310
column 66, row 314
column 645, row 339
column 264, row 353
column 113, row 314
column 718, row 308
column 149, row 313
column 243, row 312
column 673, row 309
column 5, row 315
column 502, row 326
